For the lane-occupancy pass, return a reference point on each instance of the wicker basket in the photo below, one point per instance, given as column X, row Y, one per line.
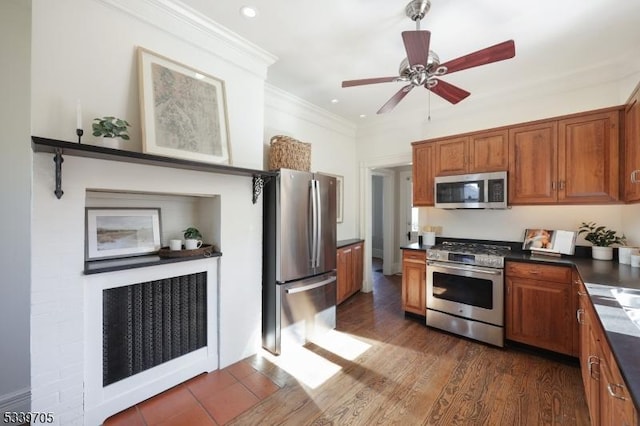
column 288, row 153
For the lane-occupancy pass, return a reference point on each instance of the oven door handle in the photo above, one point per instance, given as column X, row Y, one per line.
column 466, row 269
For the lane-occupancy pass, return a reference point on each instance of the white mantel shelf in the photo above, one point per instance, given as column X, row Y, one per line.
column 59, row 148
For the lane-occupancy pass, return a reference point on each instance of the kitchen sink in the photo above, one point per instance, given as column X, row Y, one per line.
column 630, row 302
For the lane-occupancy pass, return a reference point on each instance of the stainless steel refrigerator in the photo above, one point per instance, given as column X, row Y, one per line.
column 299, row 258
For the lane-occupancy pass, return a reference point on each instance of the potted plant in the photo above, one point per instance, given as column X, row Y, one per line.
column 601, row 238
column 192, row 238
column 110, row 127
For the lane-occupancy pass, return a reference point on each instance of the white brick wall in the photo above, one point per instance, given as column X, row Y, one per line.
column 59, row 289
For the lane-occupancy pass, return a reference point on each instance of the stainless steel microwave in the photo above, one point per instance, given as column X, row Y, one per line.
column 473, row 191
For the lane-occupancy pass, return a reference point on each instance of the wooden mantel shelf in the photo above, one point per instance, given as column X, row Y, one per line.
column 58, row 148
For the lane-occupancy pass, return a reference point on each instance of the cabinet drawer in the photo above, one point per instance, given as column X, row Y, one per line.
column 539, row 272
column 414, row 256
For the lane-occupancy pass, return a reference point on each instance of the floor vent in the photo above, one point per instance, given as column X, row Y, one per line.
column 149, row 323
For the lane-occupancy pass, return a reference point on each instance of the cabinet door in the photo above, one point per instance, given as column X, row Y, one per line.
column 452, row 156
column 423, row 173
column 414, row 285
column 489, row 151
column 358, row 266
column 344, row 273
column 631, row 175
column 616, row 406
column 539, row 314
column 588, row 148
column 533, row 164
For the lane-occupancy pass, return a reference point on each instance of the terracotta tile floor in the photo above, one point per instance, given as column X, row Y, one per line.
column 208, row 399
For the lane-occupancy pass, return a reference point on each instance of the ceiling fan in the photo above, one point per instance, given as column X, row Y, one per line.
column 422, row 66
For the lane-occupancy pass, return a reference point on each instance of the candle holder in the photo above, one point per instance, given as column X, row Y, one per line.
column 79, row 132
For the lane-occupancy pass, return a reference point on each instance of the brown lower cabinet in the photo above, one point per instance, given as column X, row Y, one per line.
column 349, row 270
column 606, row 393
column 414, row 281
column 541, row 306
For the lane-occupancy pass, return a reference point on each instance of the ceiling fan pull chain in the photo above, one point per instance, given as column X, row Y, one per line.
column 429, row 106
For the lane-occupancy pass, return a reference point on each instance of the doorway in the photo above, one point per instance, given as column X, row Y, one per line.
column 390, row 243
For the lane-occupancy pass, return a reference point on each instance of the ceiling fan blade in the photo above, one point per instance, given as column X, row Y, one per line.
column 350, row 83
column 416, row 43
column 498, row 52
column 395, row 99
column 448, row 91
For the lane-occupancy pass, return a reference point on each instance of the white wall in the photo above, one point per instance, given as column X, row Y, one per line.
column 377, row 236
column 15, row 227
column 332, row 142
column 86, row 49
column 391, row 135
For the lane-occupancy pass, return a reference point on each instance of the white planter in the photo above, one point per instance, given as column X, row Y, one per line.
column 602, row 253
column 113, row 143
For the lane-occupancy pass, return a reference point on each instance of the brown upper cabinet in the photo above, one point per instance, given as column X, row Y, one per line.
column 569, row 161
column 630, row 177
column 478, row 152
column 533, row 163
column 423, row 173
column 572, row 159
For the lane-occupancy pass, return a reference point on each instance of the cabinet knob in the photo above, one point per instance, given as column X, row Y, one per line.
column 612, row 389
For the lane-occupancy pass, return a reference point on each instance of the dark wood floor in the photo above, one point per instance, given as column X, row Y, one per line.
column 413, row 375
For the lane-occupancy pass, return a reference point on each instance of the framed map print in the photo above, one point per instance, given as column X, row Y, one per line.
column 183, row 111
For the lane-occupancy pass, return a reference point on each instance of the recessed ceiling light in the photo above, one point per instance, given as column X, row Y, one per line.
column 334, row 101
column 248, row 12
column 362, row 116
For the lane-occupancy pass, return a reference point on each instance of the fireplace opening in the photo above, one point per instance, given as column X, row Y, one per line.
column 149, row 323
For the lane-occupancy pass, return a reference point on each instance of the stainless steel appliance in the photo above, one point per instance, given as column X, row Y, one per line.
column 474, row 191
column 299, row 258
column 465, row 290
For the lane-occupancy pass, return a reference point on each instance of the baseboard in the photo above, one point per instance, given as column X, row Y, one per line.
column 19, row 401
column 379, row 253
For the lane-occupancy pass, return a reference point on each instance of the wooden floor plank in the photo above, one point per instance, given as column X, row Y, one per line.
column 412, row 374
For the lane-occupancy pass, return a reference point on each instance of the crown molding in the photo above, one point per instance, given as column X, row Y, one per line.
column 185, row 23
column 280, row 100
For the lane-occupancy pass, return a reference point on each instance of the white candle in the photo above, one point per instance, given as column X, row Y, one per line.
column 78, row 115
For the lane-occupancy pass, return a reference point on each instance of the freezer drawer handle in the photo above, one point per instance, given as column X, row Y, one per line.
column 310, row 286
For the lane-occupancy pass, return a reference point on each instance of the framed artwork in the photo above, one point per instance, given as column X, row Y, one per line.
column 183, row 110
column 339, row 196
column 121, row 232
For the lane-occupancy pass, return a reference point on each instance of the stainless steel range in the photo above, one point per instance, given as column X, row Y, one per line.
column 465, row 290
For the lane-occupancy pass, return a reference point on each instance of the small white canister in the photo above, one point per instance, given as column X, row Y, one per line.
column 624, row 254
column 429, row 238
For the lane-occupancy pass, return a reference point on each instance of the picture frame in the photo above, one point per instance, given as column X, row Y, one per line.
column 339, row 198
column 183, row 111
column 121, row 232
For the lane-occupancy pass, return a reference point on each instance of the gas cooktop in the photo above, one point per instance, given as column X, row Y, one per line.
column 469, row 253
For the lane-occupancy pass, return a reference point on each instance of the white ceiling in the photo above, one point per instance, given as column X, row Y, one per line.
column 321, row 43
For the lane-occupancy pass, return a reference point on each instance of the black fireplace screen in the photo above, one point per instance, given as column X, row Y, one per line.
column 147, row 324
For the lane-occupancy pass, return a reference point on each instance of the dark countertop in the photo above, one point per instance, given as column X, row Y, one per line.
column 415, row 246
column 601, row 278
column 344, row 243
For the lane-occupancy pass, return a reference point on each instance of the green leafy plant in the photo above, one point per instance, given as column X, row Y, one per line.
column 192, row 233
column 110, row 127
column 599, row 235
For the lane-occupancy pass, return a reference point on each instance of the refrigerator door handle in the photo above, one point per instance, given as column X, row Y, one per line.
column 310, row 286
column 319, row 222
column 314, row 224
